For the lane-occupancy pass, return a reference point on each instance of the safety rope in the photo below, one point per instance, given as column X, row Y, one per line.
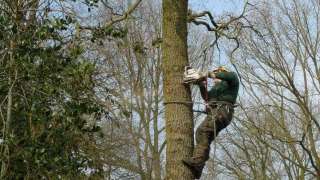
column 197, row 102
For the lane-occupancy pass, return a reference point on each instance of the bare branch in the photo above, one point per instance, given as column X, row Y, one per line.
column 116, row 19
column 193, row 16
column 124, row 16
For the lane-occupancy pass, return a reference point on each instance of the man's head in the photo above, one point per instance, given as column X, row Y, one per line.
column 221, row 69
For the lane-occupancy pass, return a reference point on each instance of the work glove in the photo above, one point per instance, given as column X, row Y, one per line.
column 192, row 76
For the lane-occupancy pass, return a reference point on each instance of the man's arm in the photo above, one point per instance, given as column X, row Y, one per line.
column 203, row 90
column 230, row 77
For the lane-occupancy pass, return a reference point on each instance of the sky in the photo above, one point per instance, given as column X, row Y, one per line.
column 217, row 7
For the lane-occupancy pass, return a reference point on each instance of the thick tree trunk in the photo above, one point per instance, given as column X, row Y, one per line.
column 179, row 123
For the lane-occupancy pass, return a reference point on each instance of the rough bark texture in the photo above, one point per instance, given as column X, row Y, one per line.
column 179, row 123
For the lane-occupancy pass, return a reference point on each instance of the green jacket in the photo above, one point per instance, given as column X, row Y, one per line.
column 226, row 90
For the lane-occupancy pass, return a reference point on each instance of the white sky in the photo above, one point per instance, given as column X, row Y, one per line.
column 217, row 7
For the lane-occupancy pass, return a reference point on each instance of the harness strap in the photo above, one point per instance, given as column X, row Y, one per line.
column 206, row 94
column 223, row 103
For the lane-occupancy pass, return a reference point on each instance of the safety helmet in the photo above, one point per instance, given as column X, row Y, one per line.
column 221, row 69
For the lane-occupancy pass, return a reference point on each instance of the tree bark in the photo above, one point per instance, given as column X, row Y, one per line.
column 179, row 117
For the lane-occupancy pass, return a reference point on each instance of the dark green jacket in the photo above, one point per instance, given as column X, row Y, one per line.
column 226, row 90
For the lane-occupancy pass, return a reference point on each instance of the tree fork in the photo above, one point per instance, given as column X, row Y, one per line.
column 179, row 117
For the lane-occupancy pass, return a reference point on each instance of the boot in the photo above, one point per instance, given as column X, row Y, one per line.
column 197, row 162
column 195, row 165
column 193, row 161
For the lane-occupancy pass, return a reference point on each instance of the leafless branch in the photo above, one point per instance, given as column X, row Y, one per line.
column 115, row 19
column 125, row 15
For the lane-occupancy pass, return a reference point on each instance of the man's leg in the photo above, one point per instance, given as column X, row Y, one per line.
column 201, row 151
column 209, row 129
column 205, row 134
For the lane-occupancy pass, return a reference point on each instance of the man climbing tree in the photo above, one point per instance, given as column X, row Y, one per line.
column 177, row 96
column 220, row 100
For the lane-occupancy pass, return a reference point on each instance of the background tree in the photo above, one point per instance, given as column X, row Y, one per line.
column 49, row 111
column 42, row 99
column 130, row 85
column 276, row 133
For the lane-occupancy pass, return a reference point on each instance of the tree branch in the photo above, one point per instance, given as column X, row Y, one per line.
column 125, row 15
column 222, row 29
column 115, row 19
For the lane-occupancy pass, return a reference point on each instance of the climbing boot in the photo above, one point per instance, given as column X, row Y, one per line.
column 195, row 165
column 193, row 161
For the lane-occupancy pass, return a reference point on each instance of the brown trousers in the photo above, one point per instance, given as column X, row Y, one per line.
column 218, row 118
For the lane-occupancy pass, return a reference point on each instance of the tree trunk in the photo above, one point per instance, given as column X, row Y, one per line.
column 179, row 122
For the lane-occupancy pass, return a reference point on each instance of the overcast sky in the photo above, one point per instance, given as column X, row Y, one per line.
column 217, row 6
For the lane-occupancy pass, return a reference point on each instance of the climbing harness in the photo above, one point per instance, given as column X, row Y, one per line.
column 217, row 104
